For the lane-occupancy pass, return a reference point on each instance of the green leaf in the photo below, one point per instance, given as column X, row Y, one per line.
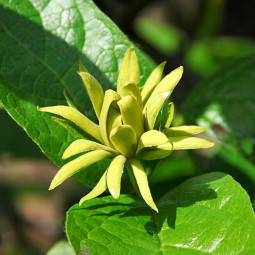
column 226, row 103
column 61, row 248
column 41, row 45
column 209, row 214
column 163, row 37
column 207, row 56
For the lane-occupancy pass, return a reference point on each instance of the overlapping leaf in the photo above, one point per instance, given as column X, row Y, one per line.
column 209, row 214
column 40, row 50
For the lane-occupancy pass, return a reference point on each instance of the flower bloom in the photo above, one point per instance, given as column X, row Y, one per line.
column 127, row 129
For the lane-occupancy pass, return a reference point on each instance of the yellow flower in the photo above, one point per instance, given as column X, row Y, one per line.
column 126, row 131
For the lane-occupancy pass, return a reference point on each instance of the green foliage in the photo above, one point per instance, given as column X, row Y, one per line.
column 163, row 37
column 61, row 248
column 208, row 55
column 209, row 214
column 40, row 54
column 225, row 102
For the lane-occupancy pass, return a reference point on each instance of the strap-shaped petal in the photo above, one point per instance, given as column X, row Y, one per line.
column 129, row 70
column 153, row 145
column 98, row 189
column 184, row 143
column 95, row 91
column 152, row 81
column 73, row 129
column 124, row 139
column 110, row 98
column 83, row 145
column 168, row 117
column 114, row 174
column 160, row 94
column 82, row 68
column 151, row 111
column 183, row 131
column 76, row 117
column 132, row 89
column 114, row 119
column 131, row 114
column 158, row 152
column 169, row 82
column 76, row 165
column 68, row 100
column 142, row 182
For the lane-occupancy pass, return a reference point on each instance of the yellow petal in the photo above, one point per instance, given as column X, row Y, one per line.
column 168, row 117
column 170, row 81
column 124, row 140
column 152, row 145
column 114, row 174
column 94, row 90
column 142, row 182
column 151, row 111
column 83, row 145
column 114, row 119
column 152, row 81
column 158, row 152
column 76, row 117
column 132, row 89
column 75, row 131
column 82, row 68
column 160, row 94
column 183, row 143
column 183, row 131
column 132, row 114
column 68, row 100
column 76, row 165
column 110, row 98
column 129, row 70
column 98, row 189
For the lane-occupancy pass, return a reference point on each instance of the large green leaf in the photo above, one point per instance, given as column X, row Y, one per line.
column 41, row 43
column 209, row 214
column 61, row 248
column 226, row 103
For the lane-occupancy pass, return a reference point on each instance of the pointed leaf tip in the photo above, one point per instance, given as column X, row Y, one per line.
column 97, row 190
column 142, row 182
column 114, row 174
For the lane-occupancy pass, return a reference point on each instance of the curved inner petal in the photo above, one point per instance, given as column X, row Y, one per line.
column 142, row 182
column 95, row 91
column 98, row 189
column 110, row 98
column 124, row 139
column 113, row 120
column 153, row 145
column 82, row 145
column 76, row 165
column 114, row 174
column 132, row 114
column 152, row 82
column 151, row 111
column 160, row 94
column 129, row 88
column 77, row 118
column 129, row 70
